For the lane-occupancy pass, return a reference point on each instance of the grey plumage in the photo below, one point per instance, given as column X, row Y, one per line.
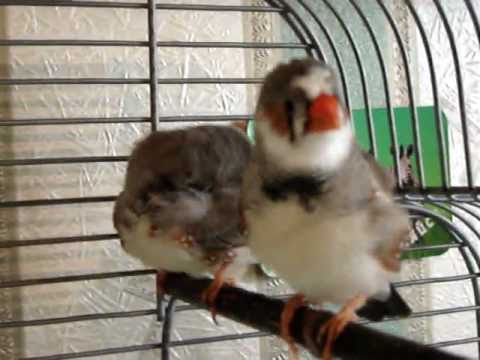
column 187, row 180
column 320, row 211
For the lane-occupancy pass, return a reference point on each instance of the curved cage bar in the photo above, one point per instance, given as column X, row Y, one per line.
column 461, row 95
column 331, row 43
column 433, row 77
column 386, row 89
column 371, row 132
column 292, row 18
column 411, row 96
column 75, row 98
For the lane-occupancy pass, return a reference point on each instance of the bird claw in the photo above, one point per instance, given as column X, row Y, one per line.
column 210, row 295
column 287, row 316
column 332, row 330
column 334, row 327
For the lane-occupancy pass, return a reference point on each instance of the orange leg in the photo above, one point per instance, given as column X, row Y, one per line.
column 210, row 294
column 160, row 282
column 286, row 318
column 333, row 327
column 152, row 231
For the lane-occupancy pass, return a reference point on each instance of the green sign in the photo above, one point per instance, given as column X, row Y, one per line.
column 426, row 231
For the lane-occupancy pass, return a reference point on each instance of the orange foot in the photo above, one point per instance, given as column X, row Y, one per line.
column 209, row 296
column 286, row 318
column 333, row 327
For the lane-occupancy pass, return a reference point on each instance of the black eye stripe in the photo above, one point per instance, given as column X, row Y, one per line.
column 290, row 110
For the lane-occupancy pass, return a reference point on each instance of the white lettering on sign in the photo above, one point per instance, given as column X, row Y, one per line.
column 422, row 228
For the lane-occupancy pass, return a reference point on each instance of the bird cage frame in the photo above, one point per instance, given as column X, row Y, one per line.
column 445, row 205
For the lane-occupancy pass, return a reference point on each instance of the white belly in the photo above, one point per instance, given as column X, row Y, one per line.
column 325, row 257
column 161, row 251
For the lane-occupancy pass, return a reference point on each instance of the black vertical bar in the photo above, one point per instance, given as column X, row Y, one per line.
column 152, row 57
column 152, row 44
column 167, row 327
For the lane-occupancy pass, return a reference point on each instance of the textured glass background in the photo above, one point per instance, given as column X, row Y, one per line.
column 79, row 180
column 462, row 325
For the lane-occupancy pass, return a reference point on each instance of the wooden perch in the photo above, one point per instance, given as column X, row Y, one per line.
column 263, row 313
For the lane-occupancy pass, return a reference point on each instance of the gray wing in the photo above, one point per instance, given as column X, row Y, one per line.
column 121, row 216
column 191, row 178
column 353, row 186
column 222, row 227
column 229, row 153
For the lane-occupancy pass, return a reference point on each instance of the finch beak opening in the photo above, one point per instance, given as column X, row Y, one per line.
column 323, row 114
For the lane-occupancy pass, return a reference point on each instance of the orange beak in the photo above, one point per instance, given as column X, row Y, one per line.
column 323, row 114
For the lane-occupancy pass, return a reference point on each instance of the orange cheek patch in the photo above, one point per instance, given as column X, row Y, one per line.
column 323, row 114
column 278, row 119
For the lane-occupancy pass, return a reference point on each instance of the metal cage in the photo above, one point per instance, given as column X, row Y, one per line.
column 378, row 75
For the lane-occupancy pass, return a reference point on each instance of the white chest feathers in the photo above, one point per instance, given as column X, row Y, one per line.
column 326, row 257
column 161, row 251
column 323, row 151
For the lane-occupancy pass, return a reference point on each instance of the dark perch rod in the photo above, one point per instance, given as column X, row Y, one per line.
column 263, row 313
